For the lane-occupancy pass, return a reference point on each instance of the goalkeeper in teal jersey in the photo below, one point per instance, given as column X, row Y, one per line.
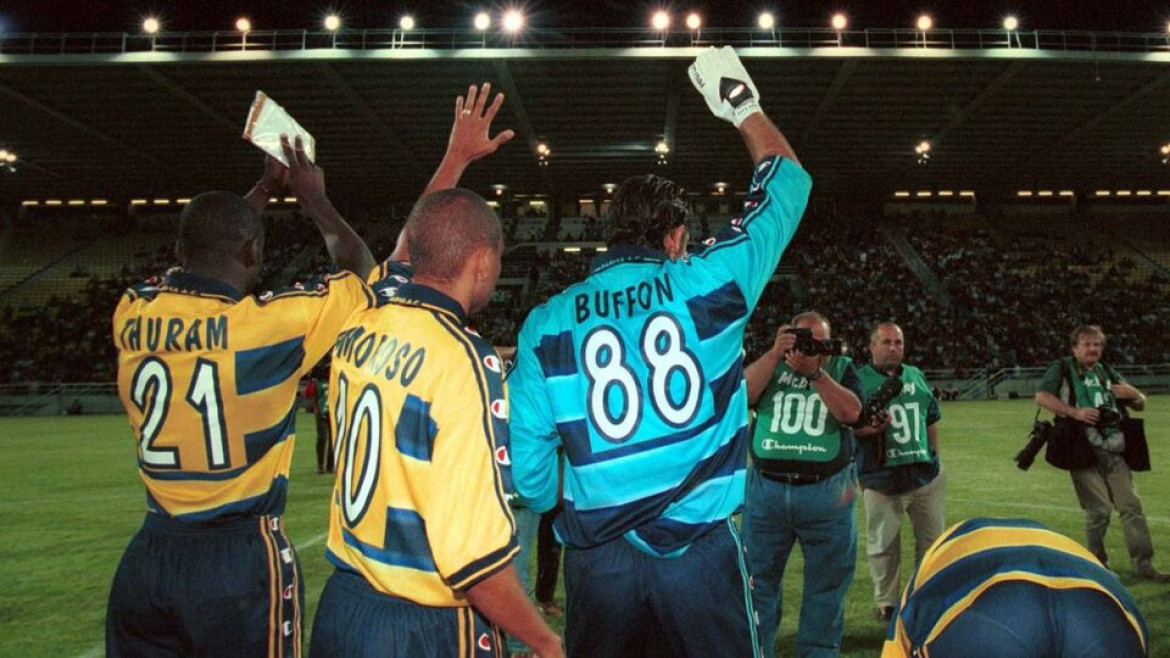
column 801, row 485
column 898, row 465
column 638, row 373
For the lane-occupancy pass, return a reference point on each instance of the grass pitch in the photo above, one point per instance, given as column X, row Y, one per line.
column 73, row 500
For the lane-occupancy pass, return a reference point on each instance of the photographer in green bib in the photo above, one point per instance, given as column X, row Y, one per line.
column 800, row 486
column 898, row 465
column 1097, row 389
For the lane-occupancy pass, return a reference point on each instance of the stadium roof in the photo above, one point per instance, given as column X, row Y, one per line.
column 142, row 123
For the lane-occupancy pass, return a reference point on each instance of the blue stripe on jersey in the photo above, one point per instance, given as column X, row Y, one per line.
column 189, row 476
column 269, row 502
column 265, row 367
column 414, row 433
column 954, row 581
column 401, row 548
column 257, row 444
column 717, row 310
column 556, row 355
column 470, row 575
column 606, row 491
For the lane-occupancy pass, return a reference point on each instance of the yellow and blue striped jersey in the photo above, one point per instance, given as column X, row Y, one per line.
column 209, row 378
column 420, row 502
column 1007, row 587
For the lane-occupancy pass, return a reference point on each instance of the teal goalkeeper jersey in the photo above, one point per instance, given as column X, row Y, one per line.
column 638, row 373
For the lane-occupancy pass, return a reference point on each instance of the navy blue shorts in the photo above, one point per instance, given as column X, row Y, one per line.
column 624, row 602
column 225, row 589
column 354, row 620
column 1019, row 619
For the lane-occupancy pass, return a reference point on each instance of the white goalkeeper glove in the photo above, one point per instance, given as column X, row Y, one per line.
column 725, row 84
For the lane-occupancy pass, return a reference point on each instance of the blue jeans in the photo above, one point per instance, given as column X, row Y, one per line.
column 526, row 523
column 820, row 516
column 623, row 602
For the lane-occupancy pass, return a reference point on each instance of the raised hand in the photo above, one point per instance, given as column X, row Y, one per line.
column 470, row 132
column 725, row 84
column 305, row 179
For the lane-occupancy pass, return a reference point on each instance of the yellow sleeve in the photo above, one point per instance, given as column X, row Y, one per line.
column 469, row 523
column 324, row 313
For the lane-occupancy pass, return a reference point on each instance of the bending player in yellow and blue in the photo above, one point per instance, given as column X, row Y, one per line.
column 420, row 527
column 208, row 375
column 1011, row 588
column 638, row 372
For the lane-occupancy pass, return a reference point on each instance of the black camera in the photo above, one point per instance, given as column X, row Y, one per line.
column 1107, row 416
column 1036, row 439
column 809, row 346
column 880, row 399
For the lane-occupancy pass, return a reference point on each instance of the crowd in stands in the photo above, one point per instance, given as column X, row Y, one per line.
column 996, row 300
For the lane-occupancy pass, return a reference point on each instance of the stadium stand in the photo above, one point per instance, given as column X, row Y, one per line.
column 974, row 292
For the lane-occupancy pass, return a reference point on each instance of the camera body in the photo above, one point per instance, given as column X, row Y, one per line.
column 880, row 399
column 809, row 346
column 1036, row 439
column 1107, row 416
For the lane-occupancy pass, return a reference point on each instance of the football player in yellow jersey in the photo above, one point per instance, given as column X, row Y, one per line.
column 208, row 375
column 1012, row 588
column 420, row 528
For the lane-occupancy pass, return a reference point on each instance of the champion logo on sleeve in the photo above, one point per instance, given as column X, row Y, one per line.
column 503, row 457
column 500, row 409
column 493, row 363
column 485, row 642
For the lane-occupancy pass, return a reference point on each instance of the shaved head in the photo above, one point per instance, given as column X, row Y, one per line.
column 448, row 227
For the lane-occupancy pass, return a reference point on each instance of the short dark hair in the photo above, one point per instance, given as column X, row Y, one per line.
column 645, row 208
column 873, row 331
column 445, row 228
column 1086, row 330
column 215, row 225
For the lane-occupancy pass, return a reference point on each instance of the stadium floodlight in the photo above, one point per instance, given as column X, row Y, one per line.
column 925, row 22
column 923, row 147
column 694, row 21
column 660, row 21
column 661, row 148
column 839, row 21
column 151, row 25
column 609, row 188
column 406, row 22
column 1011, row 23
column 482, row 21
column 766, row 21
column 513, row 21
column 332, row 22
column 720, row 187
column 542, row 149
column 243, row 25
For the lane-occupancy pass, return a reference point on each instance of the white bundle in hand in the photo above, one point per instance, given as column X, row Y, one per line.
column 267, row 121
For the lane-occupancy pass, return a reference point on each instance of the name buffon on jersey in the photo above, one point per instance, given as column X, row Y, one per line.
column 611, row 303
column 380, row 353
column 174, row 334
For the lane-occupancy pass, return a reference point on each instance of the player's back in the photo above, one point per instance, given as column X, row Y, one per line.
column 640, row 368
column 209, row 380
column 420, row 502
column 1012, row 587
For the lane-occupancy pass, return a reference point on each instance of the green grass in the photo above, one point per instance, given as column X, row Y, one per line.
column 73, row 500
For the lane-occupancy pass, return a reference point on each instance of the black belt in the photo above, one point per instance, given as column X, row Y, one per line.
column 795, row 479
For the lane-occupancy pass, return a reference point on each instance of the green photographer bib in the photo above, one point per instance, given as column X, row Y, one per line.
column 793, row 423
column 906, row 438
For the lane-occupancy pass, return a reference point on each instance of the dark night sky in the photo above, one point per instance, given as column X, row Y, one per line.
column 181, row 15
